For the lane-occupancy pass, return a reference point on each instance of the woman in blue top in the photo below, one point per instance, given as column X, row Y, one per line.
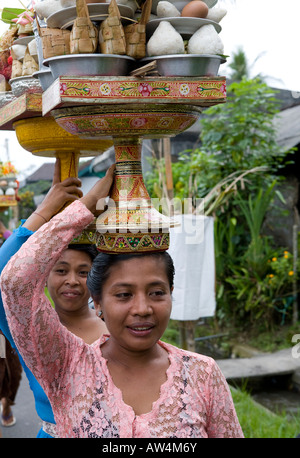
column 66, row 285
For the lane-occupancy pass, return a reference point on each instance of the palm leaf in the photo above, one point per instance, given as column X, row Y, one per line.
column 7, row 14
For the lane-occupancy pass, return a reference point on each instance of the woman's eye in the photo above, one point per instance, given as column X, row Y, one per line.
column 60, row 271
column 158, row 293
column 123, row 295
column 84, row 273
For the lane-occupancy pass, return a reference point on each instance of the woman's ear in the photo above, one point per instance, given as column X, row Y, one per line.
column 97, row 307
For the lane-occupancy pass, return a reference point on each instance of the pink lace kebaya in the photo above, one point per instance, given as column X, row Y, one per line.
column 194, row 401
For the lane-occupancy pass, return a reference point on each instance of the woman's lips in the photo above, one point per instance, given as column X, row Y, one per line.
column 70, row 294
column 140, row 329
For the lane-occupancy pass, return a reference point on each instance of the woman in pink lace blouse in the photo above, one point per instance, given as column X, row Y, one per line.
column 128, row 384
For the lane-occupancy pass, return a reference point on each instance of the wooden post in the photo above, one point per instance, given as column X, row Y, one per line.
column 168, row 164
column 187, row 335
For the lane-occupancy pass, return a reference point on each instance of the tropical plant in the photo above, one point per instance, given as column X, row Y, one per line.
column 234, row 177
column 240, row 67
column 241, row 134
column 267, row 295
column 26, row 204
column 254, row 210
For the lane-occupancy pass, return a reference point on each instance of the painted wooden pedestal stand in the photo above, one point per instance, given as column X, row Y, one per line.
column 128, row 109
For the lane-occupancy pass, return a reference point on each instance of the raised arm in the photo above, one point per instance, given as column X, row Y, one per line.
column 59, row 194
column 41, row 339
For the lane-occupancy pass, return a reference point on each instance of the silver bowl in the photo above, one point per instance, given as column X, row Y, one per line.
column 185, row 26
column 90, row 65
column 186, row 64
column 6, row 97
column 22, row 84
column 45, row 78
column 179, row 4
column 65, row 17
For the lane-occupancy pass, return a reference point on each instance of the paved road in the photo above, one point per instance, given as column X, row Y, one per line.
column 28, row 423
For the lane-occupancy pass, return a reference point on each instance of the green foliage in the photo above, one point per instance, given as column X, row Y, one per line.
column 258, row 422
column 236, row 172
column 38, row 187
column 266, row 295
column 241, row 134
column 254, row 210
column 26, row 204
column 239, row 66
column 7, row 14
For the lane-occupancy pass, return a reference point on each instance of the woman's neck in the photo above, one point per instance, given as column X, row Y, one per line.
column 116, row 354
column 74, row 317
column 84, row 324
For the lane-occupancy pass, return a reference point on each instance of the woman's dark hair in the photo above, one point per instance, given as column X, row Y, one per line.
column 91, row 250
column 100, row 270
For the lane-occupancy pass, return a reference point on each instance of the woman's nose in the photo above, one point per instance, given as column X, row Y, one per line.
column 72, row 278
column 141, row 305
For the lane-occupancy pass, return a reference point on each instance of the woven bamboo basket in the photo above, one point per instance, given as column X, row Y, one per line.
column 84, row 35
column 55, row 42
column 29, row 64
column 4, row 86
column 135, row 34
column 111, row 34
column 17, row 66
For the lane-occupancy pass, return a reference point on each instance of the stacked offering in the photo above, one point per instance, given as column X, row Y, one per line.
column 8, row 185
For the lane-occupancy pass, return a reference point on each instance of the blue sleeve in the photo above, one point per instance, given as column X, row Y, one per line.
column 7, row 250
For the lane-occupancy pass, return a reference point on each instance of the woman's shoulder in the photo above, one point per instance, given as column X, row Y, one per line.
column 188, row 356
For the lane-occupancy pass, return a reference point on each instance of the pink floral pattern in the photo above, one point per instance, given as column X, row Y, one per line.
column 194, row 401
column 145, row 89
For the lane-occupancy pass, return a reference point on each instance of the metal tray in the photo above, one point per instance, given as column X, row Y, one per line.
column 185, row 26
column 23, row 40
column 26, row 83
column 45, row 78
column 90, row 65
column 186, row 64
column 179, row 4
column 98, row 12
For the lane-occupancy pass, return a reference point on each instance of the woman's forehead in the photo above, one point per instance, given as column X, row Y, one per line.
column 70, row 256
column 138, row 267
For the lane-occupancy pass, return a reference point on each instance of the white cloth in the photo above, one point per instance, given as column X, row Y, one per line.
column 192, row 250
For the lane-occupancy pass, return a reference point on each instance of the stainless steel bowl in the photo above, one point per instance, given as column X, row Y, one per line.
column 45, row 78
column 6, row 97
column 185, row 26
column 90, row 65
column 179, row 4
column 22, row 84
column 186, row 64
column 65, row 17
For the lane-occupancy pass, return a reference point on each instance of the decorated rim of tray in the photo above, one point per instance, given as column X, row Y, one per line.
column 65, row 17
column 185, row 26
